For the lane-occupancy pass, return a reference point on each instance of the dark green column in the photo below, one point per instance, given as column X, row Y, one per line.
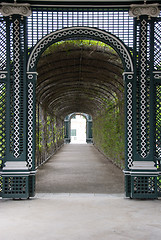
column 89, row 136
column 67, row 129
column 15, row 171
column 141, row 171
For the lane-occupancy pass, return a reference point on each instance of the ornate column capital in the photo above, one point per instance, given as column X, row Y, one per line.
column 151, row 10
column 8, row 9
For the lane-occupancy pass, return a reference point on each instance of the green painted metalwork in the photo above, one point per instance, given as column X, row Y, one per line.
column 17, row 157
column 44, row 21
column 67, row 124
column 144, row 186
column 15, row 186
column 136, row 40
column 89, row 131
column 141, row 180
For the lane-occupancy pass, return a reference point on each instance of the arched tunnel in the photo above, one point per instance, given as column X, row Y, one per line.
column 80, row 76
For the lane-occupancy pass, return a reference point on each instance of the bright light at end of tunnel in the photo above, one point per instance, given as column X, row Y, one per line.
column 78, row 129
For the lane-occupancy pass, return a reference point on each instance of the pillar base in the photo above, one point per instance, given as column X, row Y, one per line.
column 142, row 184
column 15, row 185
column 16, row 181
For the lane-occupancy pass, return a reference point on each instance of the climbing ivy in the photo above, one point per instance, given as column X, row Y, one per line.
column 108, row 124
column 108, row 133
column 49, row 135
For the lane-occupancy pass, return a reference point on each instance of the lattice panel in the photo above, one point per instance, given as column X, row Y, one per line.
column 30, row 124
column 129, row 125
column 16, row 88
column 0, row 186
column 15, row 186
column 159, row 186
column 2, row 122
column 3, row 45
column 158, row 121
column 31, row 186
column 128, row 185
column 11, row 115
column 157, row 44
column 144, row 186
column 115, row 21
column 143, row 89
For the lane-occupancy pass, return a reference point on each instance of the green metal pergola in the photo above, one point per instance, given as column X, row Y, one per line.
column 133, row 30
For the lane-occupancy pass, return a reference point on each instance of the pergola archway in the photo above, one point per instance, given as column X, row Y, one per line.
column 79, row 77
column 23, row 41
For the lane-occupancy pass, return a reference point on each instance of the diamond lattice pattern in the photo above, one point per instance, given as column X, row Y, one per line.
column 158, row 121
column 2, row 121
column 2, row 45
column 157, row 43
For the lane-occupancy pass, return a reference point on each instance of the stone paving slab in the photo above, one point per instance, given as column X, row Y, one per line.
column 80, row 217
column 99, row 213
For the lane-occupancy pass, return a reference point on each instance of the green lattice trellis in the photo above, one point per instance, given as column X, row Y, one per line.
column 23, row 37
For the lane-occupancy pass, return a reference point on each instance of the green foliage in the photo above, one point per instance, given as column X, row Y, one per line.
column 66, row 45
column 49, row 134
column 108, row 133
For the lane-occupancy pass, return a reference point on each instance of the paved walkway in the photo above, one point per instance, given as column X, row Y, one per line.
column 68, row 215
column 80, row 217
column 79, row 168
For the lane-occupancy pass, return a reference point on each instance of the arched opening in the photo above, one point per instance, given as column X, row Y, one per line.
column 83, row 75
column 78, row 129
column 18, row 80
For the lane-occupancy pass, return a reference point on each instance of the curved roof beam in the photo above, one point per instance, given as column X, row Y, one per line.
column 53, row 93
column 79, row 79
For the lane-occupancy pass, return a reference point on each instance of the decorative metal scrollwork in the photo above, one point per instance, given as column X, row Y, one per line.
column 157, row 76
column 2, row 76
column 150, row 10
column 8, row 9
column 129, row 124
column 30, row 124
column 82, row 31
